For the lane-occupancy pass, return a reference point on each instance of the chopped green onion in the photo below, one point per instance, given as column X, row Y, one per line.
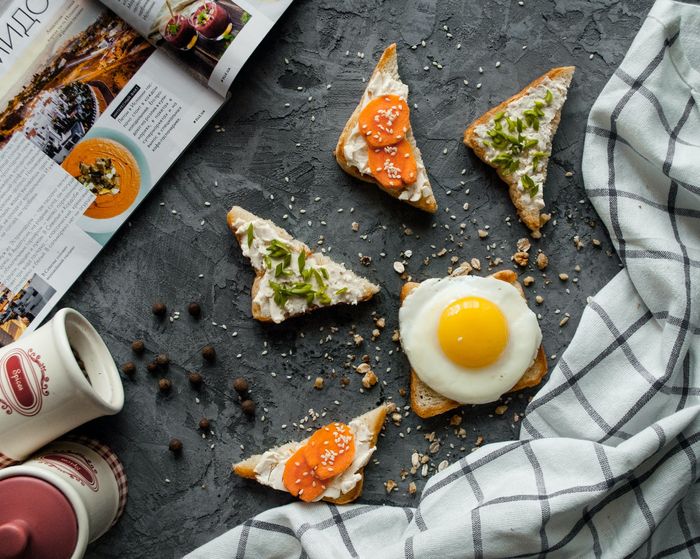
column 548, row 97
column 529, row 185
column 250, row 235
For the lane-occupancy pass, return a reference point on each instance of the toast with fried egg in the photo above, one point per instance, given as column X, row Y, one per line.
column 426, row 402
column 291, row 279
column 250, row 468
column 420, row 193
column 515, row 137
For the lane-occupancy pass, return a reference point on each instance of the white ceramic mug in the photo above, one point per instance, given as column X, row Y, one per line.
column 53, row 380
column 65, row 496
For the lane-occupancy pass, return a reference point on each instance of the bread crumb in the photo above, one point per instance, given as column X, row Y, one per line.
column 528, row 281
column 412, row 488
column 542, row 261
column 539, row 299
column 390, row 485
column 455, row 420
column 369, row 380
column 500, row 410
column 483, row 233
column 318, row 383
column 355, row 226
column 563, row 277
column 521, row 258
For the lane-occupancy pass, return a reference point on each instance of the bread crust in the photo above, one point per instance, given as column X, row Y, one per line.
column 236, row 212
column 387, row 63
column 375, row 419
column 531, row 217
column 421, row 391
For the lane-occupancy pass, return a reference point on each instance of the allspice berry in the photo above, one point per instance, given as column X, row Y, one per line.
column 209, row 353
column 248, row 407
column 240, row 385
column 129, row 369
column 138, row 347
column 175, row 446
column 162, row 360
column 164, row 385
column 195, row 379
column 194, row 309
column 204, row 424
column 152, row 367
column 159, row 309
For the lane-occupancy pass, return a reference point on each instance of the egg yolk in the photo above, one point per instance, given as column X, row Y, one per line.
column 472, row 332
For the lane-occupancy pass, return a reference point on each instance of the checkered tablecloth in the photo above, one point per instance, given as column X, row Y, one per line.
column 607, row 461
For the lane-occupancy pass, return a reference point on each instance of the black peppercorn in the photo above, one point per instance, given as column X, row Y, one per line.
column 152, row 367
column 209, row 353
column 248, row 407
column 159, row 309
column 194, row 309
column 240, row 385
column 138, row 347
column 204, row 424
column 195, row 379
column 162, row 360
column 175, row 446
column 164, row 385
column 129, row 369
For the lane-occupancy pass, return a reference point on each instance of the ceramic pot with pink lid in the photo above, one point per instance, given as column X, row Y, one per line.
column 67, row 495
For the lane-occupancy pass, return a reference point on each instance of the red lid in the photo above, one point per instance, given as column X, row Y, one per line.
column 36, row 520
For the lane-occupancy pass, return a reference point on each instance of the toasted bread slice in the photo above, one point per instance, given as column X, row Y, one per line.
column 529, row 209
column 264, row 308
column 387, row 65
column 425, row 402
column 375, row 421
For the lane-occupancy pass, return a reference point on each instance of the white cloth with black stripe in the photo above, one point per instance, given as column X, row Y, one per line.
column 607, row 463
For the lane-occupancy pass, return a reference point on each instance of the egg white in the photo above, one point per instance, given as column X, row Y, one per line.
column 418, row 323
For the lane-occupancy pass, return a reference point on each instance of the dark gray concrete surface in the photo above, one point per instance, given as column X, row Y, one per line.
column 176, row 504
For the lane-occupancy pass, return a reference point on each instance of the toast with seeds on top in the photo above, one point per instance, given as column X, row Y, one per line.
column 374, row 420
column 387, row 66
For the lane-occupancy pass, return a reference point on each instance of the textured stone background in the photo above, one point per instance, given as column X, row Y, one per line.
column 160, row 256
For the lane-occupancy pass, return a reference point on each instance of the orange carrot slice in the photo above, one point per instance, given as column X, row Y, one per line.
column 299, row 478
column 384, row 120
column 393, row 166
column 330, row 450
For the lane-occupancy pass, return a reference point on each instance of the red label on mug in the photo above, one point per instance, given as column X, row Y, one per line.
column 22, row 383
column 74, row 465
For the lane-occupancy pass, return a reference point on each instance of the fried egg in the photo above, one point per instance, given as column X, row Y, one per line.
column 468, row 338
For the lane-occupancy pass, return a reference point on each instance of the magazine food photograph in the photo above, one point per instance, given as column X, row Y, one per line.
column 303, row 278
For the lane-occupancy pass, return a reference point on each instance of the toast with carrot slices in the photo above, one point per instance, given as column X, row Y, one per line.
column 377, row 144
column 327, row 466
column 515, row 138
column 291, row 279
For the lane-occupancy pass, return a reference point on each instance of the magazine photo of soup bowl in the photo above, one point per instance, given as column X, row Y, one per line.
column 113, row 168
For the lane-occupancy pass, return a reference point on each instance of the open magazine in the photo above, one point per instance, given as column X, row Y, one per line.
column 97, row 100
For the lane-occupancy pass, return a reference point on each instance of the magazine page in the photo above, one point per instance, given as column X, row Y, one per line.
column 91, row 116
column 213, row 38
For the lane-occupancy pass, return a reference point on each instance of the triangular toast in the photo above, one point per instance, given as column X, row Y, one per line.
column 425, row 402
column 388, row 68
column 331, row 282
column 538, row 106
column 375, row 421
